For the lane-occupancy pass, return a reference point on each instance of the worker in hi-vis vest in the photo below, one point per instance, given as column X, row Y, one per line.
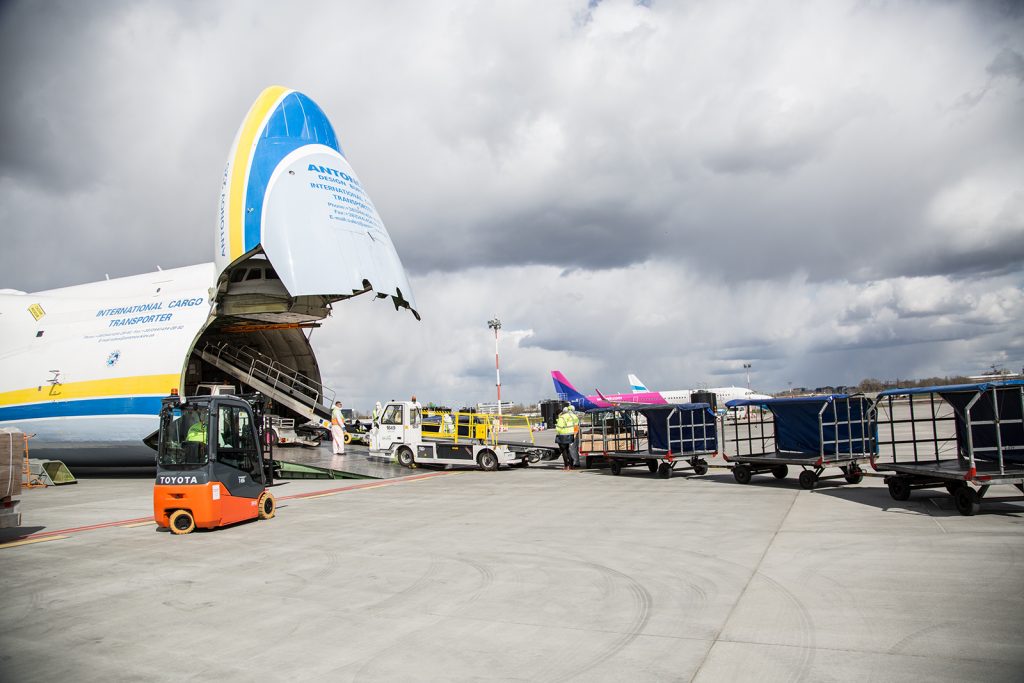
column 197, row 432
column 566, row 427
column 338, row 429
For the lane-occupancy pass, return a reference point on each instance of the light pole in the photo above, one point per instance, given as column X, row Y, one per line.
column 495, row 325
column 746, row 366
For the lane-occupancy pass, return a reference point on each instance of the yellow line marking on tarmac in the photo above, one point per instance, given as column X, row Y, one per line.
column 132, row 526
column 29, row 541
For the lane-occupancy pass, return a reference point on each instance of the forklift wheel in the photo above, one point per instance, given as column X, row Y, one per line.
column 181, row 522
column 267, row 505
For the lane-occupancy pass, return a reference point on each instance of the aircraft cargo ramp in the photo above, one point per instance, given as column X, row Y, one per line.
column 287, row 386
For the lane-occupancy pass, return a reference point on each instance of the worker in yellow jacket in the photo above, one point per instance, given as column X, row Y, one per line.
column 567, row 426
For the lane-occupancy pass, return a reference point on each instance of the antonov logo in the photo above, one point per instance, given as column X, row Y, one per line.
column 165, row 479
column 327, row 170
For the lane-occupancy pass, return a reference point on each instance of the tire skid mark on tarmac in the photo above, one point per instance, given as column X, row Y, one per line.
column 900, row 648
column 641, row 614
column 422, row 580
column 805, row 626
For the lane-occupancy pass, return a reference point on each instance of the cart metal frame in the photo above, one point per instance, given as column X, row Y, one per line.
column 936, row 456
column 859, row 448
column 625, row 441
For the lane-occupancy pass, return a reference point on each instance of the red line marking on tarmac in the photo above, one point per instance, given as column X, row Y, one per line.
column 372, row 483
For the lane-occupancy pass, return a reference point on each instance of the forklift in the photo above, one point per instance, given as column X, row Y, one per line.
column 214, row 462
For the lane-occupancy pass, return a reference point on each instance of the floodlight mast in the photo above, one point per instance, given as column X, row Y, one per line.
column 495, row 325
column 747, row 366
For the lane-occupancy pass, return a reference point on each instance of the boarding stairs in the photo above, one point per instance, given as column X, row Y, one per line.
column 283, row 384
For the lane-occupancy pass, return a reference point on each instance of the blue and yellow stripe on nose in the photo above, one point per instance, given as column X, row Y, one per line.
column 279, row 122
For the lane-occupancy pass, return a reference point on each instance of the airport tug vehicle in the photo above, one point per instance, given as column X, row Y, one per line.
column 399, row 435
column 214, row 462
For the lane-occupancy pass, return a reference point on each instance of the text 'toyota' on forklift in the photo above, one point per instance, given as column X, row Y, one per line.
column 214, row 463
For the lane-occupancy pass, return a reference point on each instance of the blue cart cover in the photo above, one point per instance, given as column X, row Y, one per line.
column 1002, row 398
column 845, row 426
column 691, row 429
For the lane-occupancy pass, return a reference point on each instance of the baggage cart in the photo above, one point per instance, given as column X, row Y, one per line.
column 812, row 433
column 964, row 437
column 663, row 437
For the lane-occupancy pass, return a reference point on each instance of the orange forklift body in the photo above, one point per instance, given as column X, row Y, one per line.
column 211, row 505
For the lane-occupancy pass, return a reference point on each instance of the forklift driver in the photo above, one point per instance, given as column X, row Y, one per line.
column 195, row 441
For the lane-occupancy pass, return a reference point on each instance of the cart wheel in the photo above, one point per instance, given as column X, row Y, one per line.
column 534, row 457
column 854, row 475
column 405, row 458
column 954, row 486
column 968, row 502
column 182, row 522
column 899, row 488
column 267, row 505
column 742, row 474
column 780, row 471
column 615, row 466
column 652, row 465
column 664, row 470
column 348, row 438
column 808, row 479
column 700, row 468
column 488, row 461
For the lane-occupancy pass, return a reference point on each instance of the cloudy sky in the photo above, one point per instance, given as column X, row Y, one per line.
column 825, row 190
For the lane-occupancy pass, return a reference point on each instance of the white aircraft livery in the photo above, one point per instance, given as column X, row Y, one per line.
column 722, row 394
column 84, row 368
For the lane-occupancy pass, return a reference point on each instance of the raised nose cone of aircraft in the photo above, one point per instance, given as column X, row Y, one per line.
column 290, row 194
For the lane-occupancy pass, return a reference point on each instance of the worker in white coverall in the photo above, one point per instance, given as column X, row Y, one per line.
column 338, row 429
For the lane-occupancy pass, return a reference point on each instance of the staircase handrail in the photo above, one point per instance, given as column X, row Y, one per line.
column 272, row 372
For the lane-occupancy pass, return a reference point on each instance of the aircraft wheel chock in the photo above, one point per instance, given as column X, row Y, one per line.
column 267, row 505
column 181, row 522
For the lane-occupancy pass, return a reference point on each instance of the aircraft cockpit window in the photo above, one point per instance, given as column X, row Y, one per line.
column 254, row 274
column 271, row 274
column 238, row 275
column 392, row 415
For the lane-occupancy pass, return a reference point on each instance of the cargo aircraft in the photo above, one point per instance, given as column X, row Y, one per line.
column 84, row 368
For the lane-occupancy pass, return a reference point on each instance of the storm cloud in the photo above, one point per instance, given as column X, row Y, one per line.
column 828, row 191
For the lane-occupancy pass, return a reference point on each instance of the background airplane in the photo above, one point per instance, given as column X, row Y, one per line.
column 567, row 392
column 722, row 394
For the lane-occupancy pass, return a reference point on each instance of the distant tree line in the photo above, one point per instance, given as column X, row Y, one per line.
column 872, row 385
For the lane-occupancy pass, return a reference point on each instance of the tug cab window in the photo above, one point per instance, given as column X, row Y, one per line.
column 236, row 440
column 392, row 415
